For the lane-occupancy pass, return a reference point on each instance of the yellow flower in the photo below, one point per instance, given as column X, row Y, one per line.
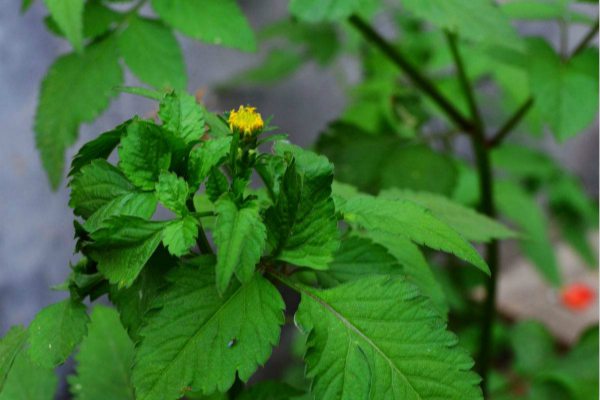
column 245, row 120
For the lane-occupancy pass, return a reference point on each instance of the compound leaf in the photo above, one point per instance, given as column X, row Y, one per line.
column 172, row 192
column 181, row 115
column 180, row 235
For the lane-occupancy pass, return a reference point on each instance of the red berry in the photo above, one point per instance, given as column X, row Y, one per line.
column 577, row 296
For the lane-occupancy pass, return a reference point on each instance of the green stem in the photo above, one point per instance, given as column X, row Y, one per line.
column 413, row 74
column 512, row 122
column 202, row 241
column 487, row 206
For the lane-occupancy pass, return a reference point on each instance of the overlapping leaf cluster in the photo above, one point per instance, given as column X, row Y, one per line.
column 192, row 319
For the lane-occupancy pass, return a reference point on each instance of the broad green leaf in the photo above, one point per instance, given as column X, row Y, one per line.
column 55, row 331
column 476, row 20
column 216, row 185
column 101, row 147
column 144, row 153
column 356, row 258
column 565, row 92
column 76, row 89
column 134, row 204
column 98, row 19
column 95, row 185
column 179, row 236
column 152, row 53
column 328, row 10
column 219, row 22
column 216, row 337
column 543, row 10
column 173, row 191
column 377, row 338
column 522, row 209
column 524, row 163
column 470, row 224
column 270, row 390
column 205, row 157
column 302, row 223
column 123, row 245
column 104, row 360
column 533, row 346
column 181, row 115
column 68, row 15
column 414, row 266
column 29, row 381
column 11, row 344
column 240, row 237
column 410, row 221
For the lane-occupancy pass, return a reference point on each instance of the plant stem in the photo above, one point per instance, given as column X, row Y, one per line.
column 585, row 41
column 413, row 74
column 487, row 206
column 509, row 125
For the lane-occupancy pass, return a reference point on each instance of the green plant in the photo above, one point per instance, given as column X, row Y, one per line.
column 374, row 304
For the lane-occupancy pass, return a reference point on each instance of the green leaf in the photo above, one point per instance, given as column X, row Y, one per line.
column 216, row 336
column 123, row 245
column 10, row 345
column 134, row 204
column 98, row 19
column 101, row 147
column 327, row 10
column 240, row 236
column 468, row 223
column 415, row 266
column 180, row 235
column 278, row 64
column 68, row 15
column 522, row 209
column 55, row 331
column 152, row 53
column 219, row 22
column 401, row 351
column 302, row 223
column 173, row 192
column 565, row 93
column 356, row 258
column 216, row 185
column 25, row 4
column 411, row 221
column 476, row 20
column 270, row 390
column 28, row 381
column 104, row 360
column 205, row 157
column 76, row 89
column 144, row 153
column 96, row 185
column 542, row 10
column 533, row 346
column 181, row 115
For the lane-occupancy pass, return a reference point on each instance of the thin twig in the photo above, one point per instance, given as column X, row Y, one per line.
column 585, row 41
column 509, row 125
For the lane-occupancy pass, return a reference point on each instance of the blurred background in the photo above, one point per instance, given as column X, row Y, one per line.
column 36, row 232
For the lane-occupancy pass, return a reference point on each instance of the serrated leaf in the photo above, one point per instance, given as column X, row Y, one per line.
column 327, row 10
column 104, row 360
column 565, row 92
column 206, row 157
column 152, row 53
column 95, row 185
column 521, row 208
column 411, row 221
column 75, row 90
column 55, row 331
column 302, row 223
column 219, row 22
column 123, row 245
column 467, row 222
column 356, row 258
column 216, row 185
column 11, row 344
column 98, row 19
column 144, row 153
column 68, row 15
column 181, row 115
column 240, row 236
column 172, row 191
column 217, row 336
column 477, row 20
column 134, row 204
column 28, row 381
column 179, row 236
column 101, row 147
column 399, row 349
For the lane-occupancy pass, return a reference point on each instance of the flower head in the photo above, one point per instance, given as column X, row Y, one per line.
column 245, row 120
